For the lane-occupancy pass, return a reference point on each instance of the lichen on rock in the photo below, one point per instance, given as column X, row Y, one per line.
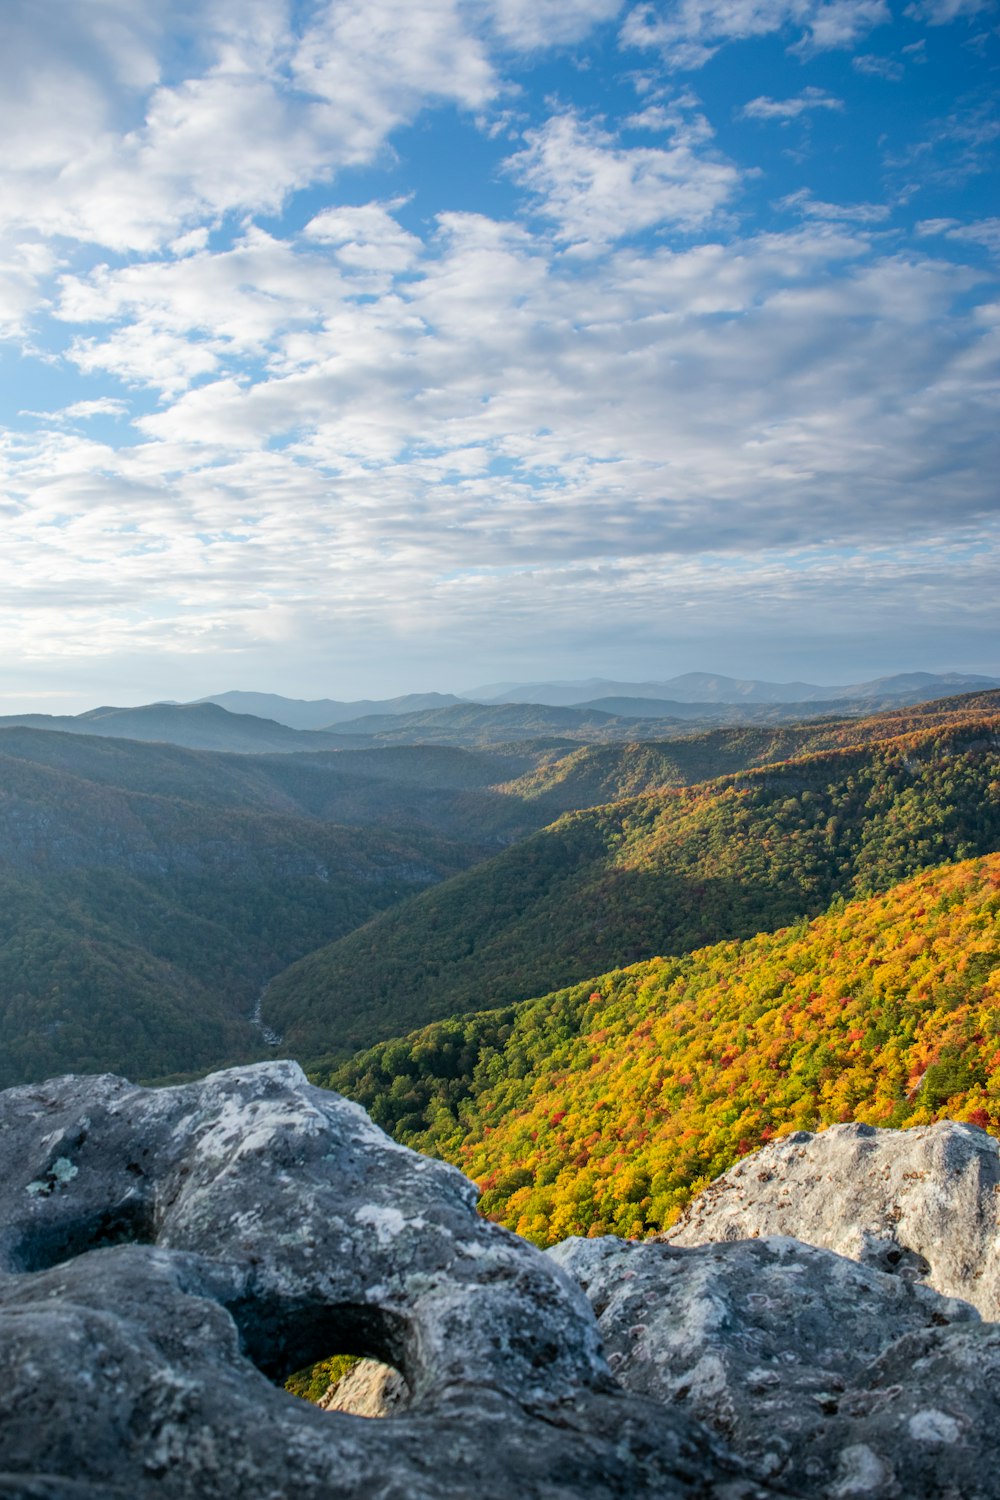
column 922, row 1203
column 206, row 1241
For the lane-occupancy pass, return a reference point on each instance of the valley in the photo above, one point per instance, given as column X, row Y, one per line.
column 169, row 909
column 662, row 872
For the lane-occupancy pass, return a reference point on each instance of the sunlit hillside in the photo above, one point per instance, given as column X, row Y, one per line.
column 661, row 873
column 602, row 1108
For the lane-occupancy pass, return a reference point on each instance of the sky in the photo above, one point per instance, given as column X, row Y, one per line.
column 357, row 347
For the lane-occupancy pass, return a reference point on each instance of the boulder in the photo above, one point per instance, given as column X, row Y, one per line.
column 168, row 1257
column 827, row 1377
column 921, row 1203
column 369, row 1389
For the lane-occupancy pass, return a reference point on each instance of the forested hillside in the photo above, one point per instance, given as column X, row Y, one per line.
column 449, row 791
column 199, row 726
column 593, row 774
column 662, row 873
column 150, row 892
column 602, row 1108
column 476, row 724
column 136, row 930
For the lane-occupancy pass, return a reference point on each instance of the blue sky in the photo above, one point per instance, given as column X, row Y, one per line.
column 353, row 348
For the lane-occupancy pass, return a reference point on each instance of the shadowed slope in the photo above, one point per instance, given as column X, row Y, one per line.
column 660, row 873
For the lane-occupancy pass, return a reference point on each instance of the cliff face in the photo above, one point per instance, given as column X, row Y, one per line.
column 921, row 1203
column 170, row 1256
column 827, row 1378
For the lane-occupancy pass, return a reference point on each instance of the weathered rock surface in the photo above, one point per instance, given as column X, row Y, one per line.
column 826, row 1376
column 921, row 1203
column 166, row 1256
column 370, row 1389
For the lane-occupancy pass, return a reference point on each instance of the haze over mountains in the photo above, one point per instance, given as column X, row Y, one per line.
column 321, row 713
column 263, row 723
column 708, row 687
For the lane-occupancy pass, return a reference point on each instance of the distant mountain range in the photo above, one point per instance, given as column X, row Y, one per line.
column 198, row 726
column 442, row 719
column 321, row 713
column 708, row 687
column 593, row 708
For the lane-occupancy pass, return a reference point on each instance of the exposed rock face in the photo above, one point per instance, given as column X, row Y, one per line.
column 370, row 1389
column 921, row 1203
column 828, row 1377
column 164, row 1252
column 167, row 1256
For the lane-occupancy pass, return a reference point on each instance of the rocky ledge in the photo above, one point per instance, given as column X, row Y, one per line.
column 168, row 1257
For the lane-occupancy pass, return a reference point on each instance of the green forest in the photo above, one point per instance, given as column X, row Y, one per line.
column 154, row 895
column 657, row 874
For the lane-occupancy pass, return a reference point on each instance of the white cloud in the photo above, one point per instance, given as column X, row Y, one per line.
column 403, row 420
column 533, row 24
column 83, row 411
column 367, row 238
column 375, row 63
column 943, row 12
column 24, row 267
column 809, row 207
column 951, row 149
column 597, row 190
column 873, row 66
column 837, row 24
column 132, row 160
column 985, row 232
column 763, row 108
column 180, row 320
column 494, row 404
column 688, row 32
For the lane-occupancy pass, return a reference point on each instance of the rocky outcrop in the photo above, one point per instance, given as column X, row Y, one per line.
column 169, row 1257
column 921, row 1203
column 829, row 1378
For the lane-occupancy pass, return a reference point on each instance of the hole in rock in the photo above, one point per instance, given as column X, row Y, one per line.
column 49, row 1244
column 292, row 1345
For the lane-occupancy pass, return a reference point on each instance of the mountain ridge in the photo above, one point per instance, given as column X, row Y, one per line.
column 321, row 713
column 198, row 726
column 708, row 687
column 661, row 872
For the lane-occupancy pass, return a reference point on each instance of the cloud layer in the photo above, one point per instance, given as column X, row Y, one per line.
column 625, row 391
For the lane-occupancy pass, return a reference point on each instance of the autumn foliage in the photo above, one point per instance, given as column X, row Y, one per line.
column 603, row 1108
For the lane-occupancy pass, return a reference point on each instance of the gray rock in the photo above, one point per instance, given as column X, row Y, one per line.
column 167, row 1256
column 922, row 1423
column 922, row 1203
column 798, row 1358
